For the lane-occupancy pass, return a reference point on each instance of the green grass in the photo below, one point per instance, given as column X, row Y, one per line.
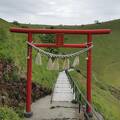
column 13, row 46
column 106, row 67
column 8, row 114
column 106, row 53
column 103, row 101
column 106, row 62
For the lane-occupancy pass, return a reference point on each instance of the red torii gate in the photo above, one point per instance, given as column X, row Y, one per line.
column 59, row 42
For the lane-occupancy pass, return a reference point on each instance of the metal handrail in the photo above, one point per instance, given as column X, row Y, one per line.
column 80, row 95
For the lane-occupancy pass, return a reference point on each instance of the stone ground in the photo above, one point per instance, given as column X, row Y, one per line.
column 44, row 110
column 61, row 108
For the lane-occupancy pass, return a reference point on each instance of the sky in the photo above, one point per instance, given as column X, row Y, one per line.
column 53, row 12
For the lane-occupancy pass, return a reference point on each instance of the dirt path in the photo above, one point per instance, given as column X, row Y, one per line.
column 43, row 110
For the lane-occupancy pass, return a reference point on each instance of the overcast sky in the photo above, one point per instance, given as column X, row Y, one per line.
column 59, row 11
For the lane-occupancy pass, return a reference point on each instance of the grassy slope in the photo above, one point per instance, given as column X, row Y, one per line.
column 106, row 67
column 14, row 46
column 106, row 63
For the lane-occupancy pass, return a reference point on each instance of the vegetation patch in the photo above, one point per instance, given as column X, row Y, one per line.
column 8, row 114
column 115, row 92
column 13, row 88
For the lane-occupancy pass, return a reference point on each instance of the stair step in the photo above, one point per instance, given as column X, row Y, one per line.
column 63, row 90
column 66, row 92
column 62, row 82
column 62, row 97
column 63, row 85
